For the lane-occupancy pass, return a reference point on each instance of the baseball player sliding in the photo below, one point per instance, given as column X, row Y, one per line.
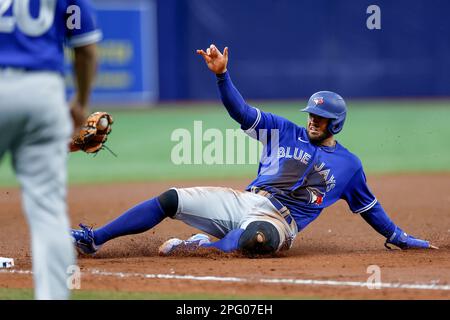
column 302, row 171
column 36, row 125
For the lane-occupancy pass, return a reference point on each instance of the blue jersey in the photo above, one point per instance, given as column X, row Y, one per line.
column 305, row 177
column 32, row 37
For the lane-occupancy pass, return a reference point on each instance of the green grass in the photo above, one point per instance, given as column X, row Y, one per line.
column 27, row 294
column 388, row 136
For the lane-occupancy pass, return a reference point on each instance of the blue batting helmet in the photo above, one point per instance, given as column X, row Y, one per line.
column 328, row 105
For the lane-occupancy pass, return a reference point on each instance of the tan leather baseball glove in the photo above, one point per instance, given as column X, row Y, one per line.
column 93, row 134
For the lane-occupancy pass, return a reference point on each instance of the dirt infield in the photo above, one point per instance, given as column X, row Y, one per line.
column 337, row 247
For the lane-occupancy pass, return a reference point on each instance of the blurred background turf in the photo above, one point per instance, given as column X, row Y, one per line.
column 388, row 136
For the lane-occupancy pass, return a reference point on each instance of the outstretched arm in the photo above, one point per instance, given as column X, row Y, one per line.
column 379, row 220
column 361, row 200
column 235, row 104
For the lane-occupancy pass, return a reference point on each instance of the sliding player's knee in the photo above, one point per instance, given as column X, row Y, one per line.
column 169, row 202
column 260, row 237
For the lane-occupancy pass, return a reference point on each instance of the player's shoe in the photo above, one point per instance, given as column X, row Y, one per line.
column 191, row 243
column 83, row 240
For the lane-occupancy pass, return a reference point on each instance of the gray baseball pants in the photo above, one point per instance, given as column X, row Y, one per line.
column 218, row 210
column 35, row 127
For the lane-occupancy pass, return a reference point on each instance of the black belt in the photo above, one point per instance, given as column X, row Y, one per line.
column 281, row 208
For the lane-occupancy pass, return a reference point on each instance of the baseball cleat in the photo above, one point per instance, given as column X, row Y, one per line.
column 191, row 243
column 168, row 246
column 84, row 240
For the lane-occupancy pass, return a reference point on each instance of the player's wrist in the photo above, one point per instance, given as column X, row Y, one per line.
column 222, row 71
column 404, row 241
column 398, row 238
column 222, row 75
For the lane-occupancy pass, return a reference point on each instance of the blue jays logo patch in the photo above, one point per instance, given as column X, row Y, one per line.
column 318, row 100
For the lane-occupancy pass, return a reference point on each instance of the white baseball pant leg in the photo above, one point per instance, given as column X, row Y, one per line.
column 217, row 211
column 37, row 126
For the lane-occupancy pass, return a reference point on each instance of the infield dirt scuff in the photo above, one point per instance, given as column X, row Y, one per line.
column 339, row 245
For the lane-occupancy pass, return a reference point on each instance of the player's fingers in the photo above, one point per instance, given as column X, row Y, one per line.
column 208, row 51
column 201, row 52
column 204, row 55
column 433, row 247
column 225, row 53
column 214, row 51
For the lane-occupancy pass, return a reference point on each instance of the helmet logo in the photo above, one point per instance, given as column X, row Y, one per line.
column 318, row 100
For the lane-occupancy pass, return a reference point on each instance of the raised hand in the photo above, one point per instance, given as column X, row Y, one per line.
column 215, row 60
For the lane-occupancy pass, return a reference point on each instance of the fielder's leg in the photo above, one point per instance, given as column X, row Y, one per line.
column 39, row 159
column 46, row 211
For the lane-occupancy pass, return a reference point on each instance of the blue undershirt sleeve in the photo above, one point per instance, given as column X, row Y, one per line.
column 235, row 104
column 377, row 218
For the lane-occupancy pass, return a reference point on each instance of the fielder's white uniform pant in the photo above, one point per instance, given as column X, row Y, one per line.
column 217, row 211
column 35, row 126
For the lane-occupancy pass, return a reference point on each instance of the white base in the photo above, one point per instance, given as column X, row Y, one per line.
column 6, row 262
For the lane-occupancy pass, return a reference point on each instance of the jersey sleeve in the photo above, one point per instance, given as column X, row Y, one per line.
column 267, row 126
column 86, row 31
column 357, row 194
column 267, row 120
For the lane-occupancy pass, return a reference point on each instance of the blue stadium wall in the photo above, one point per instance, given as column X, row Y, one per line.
column 288, row 49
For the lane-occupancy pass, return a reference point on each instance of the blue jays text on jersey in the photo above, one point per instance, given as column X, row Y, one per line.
column 308, row 177
column 32, row 33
